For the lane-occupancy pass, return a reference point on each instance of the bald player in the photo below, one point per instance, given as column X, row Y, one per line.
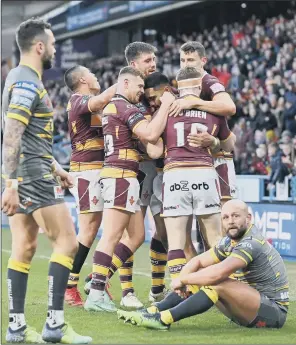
column 243, row 275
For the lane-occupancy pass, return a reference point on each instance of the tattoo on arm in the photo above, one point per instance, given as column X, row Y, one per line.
column 12, row 138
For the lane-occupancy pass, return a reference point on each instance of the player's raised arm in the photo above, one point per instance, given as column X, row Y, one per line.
column 81, row 81
column 151, row 131
column 97, row 103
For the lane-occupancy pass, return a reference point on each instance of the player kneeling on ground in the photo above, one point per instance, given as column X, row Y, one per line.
column 243, row 275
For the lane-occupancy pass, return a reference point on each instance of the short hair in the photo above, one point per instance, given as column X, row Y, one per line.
column 155, row 80
column 29, row 30
column 193, row 46
column 132, row 71
column 72, row 76
column 187, row 73
column 135, row 49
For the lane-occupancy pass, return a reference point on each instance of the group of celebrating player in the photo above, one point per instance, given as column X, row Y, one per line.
column 140, row 143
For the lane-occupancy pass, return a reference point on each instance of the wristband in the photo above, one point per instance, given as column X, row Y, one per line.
column 11, row 183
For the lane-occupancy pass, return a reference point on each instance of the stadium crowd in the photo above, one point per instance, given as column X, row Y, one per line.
column 257, row 64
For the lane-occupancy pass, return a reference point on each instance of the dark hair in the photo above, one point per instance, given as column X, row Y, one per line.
column 72, row 76
column 135, row 49
column 29, row 30
column 132, row 71
column 187, row 73
column 155, row 80
column 193, row 46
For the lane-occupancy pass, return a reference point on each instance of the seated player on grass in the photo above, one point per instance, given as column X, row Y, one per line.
column 243, row 275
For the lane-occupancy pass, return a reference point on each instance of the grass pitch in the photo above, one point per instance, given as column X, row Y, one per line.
column 209, row 328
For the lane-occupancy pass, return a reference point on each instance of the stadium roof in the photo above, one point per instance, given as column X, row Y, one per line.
column 14, row 12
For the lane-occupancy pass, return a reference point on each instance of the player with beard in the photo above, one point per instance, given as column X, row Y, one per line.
column 87, row 159
column 243, row 275
column 215, row 100
column 32, row 198
column 120, row 187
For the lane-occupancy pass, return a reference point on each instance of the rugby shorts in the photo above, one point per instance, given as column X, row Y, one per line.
column 146, row 185
column 87, row 191
column 38, row 194
column 270, row 315
column 121, row 193
column 156, row 198
column 189, row 191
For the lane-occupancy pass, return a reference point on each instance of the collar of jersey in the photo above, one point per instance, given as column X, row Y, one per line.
column 117, row 95
column 32, row 68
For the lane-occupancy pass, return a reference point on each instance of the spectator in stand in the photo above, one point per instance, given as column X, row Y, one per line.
column 279, row 170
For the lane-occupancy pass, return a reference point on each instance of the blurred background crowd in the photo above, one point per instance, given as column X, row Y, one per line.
column 256, row 61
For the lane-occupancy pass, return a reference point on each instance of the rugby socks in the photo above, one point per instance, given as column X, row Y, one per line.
column 158, row 258
column 123, row 257
column 101, row 265
column 77, row 265
column 176, row 261
column 170, row 301
column 58, row 274
column 193, row 305
column 126, row 276
column 17, row 279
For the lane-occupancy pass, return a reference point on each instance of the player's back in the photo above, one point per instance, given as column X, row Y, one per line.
column 119, row 118
column 87, row 142
column 26, row 100
column 178, row 151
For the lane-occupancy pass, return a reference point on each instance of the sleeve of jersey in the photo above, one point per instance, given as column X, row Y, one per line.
column 247, row 250
column 214, row 87
column 81, row 105
column 24, row 96
column 224, row 131
column 218, row 251
column 133, row 119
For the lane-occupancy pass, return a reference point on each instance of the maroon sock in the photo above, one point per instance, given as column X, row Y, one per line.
column 101, row 265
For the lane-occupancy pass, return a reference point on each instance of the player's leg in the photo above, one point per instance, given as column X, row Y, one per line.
column 206, row 203
column 133, row 240
column 89, row 206
column 189, row 250
column 238, row 301
column 177, row 209
column 120, row 201
column 145, row 178
column 88, row 227
column 211, row 228
column 24, row 231
column 158, row 244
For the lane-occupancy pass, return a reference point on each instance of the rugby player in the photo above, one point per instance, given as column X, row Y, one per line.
column 32, row 198
column 141, row 56
column 243, row 275
column 87, row 159
column 189, row 181
column 120, row 187
column 155, row 85
column 215, row 100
